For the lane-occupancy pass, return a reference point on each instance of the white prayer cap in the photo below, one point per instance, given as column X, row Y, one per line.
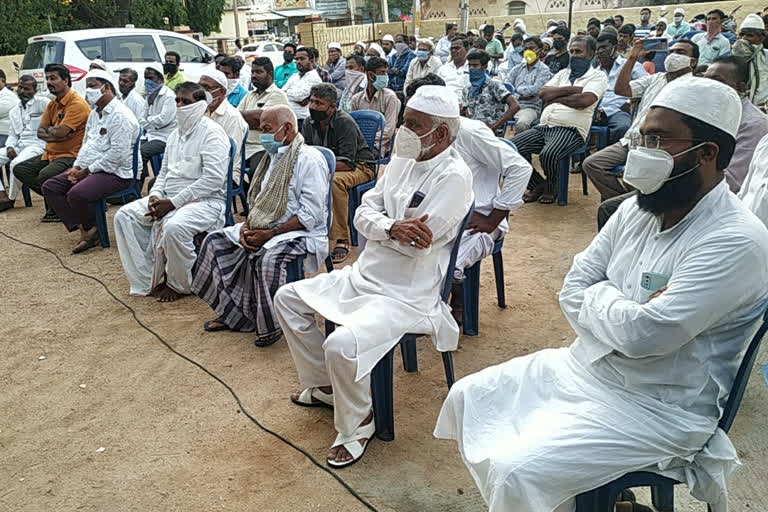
column 102, row 75
column 215, row 75
column 334, row 46
column 425, row 42
column 481, row 27
column 662, row 20
column 435, row 100
column 360, row 43
column 473, row 32
column 752, row 22
column 548, row 40
column 100, row 63
column 679, row 10
column 156, row 67
column 517, row 21
column 707, row 100
column 389, row 38
column 378, row 49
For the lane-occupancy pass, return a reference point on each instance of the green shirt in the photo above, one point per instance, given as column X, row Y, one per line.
column 283, row 72
column 494, row 47
column 174, row 81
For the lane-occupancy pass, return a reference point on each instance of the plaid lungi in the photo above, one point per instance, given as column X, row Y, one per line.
column 239, row 285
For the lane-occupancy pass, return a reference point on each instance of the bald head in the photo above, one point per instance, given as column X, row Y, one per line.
column 280, row 121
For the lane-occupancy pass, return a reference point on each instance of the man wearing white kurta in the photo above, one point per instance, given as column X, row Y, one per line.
column 410, row 220
column 664, row 302
column 754, row 191
column 155, row 234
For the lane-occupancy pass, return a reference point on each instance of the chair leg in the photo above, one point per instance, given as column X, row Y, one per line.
column 100, row 216
column 26, row 195
column 498, row 271
column 448, row 366
column 562, row 181
column 383, row 403
column 663, row 497
column 584, row 188
column 408, row 349
column 471, row 299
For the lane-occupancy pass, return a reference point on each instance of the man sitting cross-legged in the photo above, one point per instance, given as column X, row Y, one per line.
column 240, row 268
column 155, row 233
column 410, row 220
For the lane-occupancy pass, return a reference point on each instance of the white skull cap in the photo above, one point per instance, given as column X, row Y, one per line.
column 435, row 100
column 752, row 22
column 215, row 75
column 102, row 75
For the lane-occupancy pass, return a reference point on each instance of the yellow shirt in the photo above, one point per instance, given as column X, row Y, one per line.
column 174, row 81
column 71, row 111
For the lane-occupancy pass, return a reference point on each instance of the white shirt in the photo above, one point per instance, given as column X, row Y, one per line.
column 646, row 88
column 245, row 77
column 108, row 142
column 490, row 159
column 229, row 118
column 194, row 166
column 297, row 89
column 557, row 114
column 754, row 190
column 136, row 103
column 456, row 79
column 8, row 100
column 418, row 69
column 24, row 122
column 443, row 49
column 159, row 119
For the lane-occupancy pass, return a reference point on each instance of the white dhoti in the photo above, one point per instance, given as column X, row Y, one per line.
column 538, row 430
column 25, row 154
column 149, row 250
column 474, row 248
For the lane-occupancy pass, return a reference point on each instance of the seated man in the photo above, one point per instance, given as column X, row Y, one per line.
column 338, row 132
column 410, row 220
column 155, row 233
column 22, row 142
column 103, row 165
column 159, row 119
column 570, row 98
column 299, row 85
column 527, row 79
column 284, row 71
column 336, row 66
column 455, row 72
column 664, row 302
column 62, row 127
column 377, row 96
column 355, row 81
column 487, row 100
column 754, row 190
column 750, row 47
column 231, row 67
column 128, row 93
column 600, row 167
column 491, row 162
column 240, row 268
column 173, row 77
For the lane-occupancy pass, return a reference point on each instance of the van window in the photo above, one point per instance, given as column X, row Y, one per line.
column 189, row 52
column 91, row 48
column 131, row 49
column 41, row 53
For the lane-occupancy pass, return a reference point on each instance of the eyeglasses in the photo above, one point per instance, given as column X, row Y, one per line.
column 653, row 141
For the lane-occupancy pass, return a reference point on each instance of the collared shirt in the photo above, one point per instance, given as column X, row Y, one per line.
column 195, row 165
column 109, row 140
column 642, row 31
column 528, row 82
column 557, row 63
column 676, row 31
column 355, row 86
column 172, row 82
column 25, row 119
column 489, row 104
column 760, row 93
column 612, row 102
column 456, row 79
column 71, row 111
column 386, row 102
column 557, row 114
column 512, row 56
column 398, row 69
column 754, row 190
column 283, row 72
column 418, row 69
column 135, row 103
column 160, row 117
column 256, row 100
column 494, row 47
column 336, row 74
column 443, row 49
column 752, row 128
column 229, row 118
column 710, row 51
column 342, row 136
column 645, row 88
column 297, row 90
column 8, row 100
column 236, row 96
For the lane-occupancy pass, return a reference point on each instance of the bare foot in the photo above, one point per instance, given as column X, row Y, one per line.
column 157, row 289
column 533, row 195
column 328, row 390
column 340, row 454
column 168, row 294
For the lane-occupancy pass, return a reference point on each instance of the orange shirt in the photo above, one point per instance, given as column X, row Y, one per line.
column 71, row 111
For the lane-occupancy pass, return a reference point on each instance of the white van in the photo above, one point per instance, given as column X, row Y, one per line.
column 118, row 47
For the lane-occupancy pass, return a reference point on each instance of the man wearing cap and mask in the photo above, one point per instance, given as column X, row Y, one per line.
column 159, row 118
column 388, row 45
column 336, row 66
column 410, row 220
column 173, row 76
column 643, row 385
column 103, row 164
column 749, row 48
column 679, row 26
column 240, row 268
column 378, row 97
column 155, row 234
column 231, row 67
column 712, row 43
column 527, row 79
column 224, row 114
column 424, row 63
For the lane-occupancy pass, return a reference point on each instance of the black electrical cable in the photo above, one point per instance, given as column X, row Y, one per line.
column 204, row 369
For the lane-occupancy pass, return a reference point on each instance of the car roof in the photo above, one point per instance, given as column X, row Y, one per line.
column 94, row 33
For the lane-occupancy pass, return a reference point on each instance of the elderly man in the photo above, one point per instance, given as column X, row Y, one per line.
column 487, row 100
column 664, row 301
column 424, row 63
column 265, row 94
column 128, row 93
column 103, row 165
column 231, row 67
column 410, row 220
column 62, row 127
column 377, row 96
column 455, row 72
column 335, row 66
column 338, row 132
column 571, row 97
column 600, row 167
column 356, row 81
column 443, row 50
column 240, row 268
column 159, row 118
column 712, row 43
column 527, row 79
column 155, row 234
column 749, row 48
column 171, row 68
column 22, row 143
column 285, row 70
column 300, row 84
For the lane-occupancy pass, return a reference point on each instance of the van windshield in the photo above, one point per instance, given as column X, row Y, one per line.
column 40, row 53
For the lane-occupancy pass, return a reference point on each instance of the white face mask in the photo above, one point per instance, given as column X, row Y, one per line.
column 675, row 62
column 92, row 95
column 232, row 84
column 408, row 143
column 352, row 75
column 189, row 115
column 648, row 169
column 678, row 20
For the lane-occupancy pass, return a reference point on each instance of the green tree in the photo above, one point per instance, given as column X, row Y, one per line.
column 205, row 15
column 22, row 19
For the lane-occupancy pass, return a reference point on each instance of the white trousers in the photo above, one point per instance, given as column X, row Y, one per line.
column 322, row 361
column 25, row 154
column 474, row 248
column 149, row 250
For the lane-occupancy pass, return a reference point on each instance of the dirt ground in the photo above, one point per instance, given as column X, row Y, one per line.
column 110, row 420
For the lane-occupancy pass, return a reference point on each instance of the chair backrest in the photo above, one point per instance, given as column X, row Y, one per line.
column 242, row 156
column 454, row 253
column 742, row 377
column 330, row 159
column 371, row 124
column 510, row 88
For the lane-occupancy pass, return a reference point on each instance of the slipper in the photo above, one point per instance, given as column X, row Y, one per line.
column 627, row 495
column 546, row 198
column 223, row 327
column 340, row 253
column 351, row 444
column 533, row 195
column 320, row 399
column 265, row 342
column 91, row 242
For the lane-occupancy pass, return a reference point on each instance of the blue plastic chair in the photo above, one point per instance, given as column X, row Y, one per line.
column 229, row 219
column 132, row 191
column 234, row 192
column 382, row 374
column 157, row 162
column 371, row 124
column 603, row 498
column 579, row 154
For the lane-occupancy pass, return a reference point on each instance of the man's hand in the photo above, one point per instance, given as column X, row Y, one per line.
column 637, row 50
column 480, row 223
column 657, row 293
column 11, row 153
column 413, row 232
column 159, row 208
column 493, row 126
column 258, row 237
column 76, row 175
column 304, row 102
column 244, row 240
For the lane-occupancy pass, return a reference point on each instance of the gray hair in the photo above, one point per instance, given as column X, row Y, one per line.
column 452, row 123
column 326, row 92
column 589, row 42
column 283, row 115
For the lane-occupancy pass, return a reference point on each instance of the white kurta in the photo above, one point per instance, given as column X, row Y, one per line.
column 159, row 118
column 297, row 89
column 644, row 384
column 136, row 103
column 754, row 190
column 229, row 118
column 193, row 177
column 22, row 137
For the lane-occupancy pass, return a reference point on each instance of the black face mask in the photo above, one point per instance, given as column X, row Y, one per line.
column 288, row 57
column 558, row 44
column 318, row 115
column 125, row 90
column 170, row 69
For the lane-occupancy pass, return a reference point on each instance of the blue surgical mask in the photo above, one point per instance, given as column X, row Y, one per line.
column 422, row 55
column 270, row 144
column 380, row 82
column 151, row 86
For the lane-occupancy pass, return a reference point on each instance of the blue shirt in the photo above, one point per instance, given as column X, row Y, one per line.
column 528, row 82
column 398, row 68
column 612, row 102
column 237, row 95
column 710, row 51
column 676, row 31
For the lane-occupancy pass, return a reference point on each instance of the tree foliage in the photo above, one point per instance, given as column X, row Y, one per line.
column 205, row 15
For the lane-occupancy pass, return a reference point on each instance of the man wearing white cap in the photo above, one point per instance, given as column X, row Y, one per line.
column 749, row 48
column 159, row 118
column 336, row 67
column 388, row 45
column 224, row 114
column 664, row 301
column 97, row 64
column 103, row 165
column 410, row 220
column 679, row 26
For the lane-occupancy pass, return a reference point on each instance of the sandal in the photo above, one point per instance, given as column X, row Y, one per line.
column 340, row 252
column 352, row 445
column 265, row 342
column 208, row 327
column 547, row 198
column 314, row 397
column 84, row 245
column 533, row 195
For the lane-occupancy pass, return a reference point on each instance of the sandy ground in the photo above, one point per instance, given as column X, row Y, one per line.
column 111, row 420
